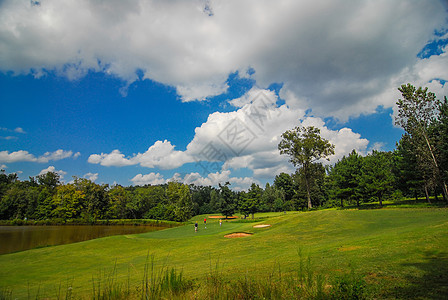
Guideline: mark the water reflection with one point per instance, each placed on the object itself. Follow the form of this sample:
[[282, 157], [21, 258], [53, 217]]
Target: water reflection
[[19, 238]]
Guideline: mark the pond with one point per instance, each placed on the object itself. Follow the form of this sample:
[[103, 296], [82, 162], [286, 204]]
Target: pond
[[19, 238]]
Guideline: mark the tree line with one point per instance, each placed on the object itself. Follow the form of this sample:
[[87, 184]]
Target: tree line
[[418, 167]]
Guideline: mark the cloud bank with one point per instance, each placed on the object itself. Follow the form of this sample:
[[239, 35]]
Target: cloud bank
[[340, 59]]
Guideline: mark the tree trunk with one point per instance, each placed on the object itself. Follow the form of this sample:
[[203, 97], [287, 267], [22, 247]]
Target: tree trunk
[[342, 202], [427, 194], [305, 169], [444, 190]]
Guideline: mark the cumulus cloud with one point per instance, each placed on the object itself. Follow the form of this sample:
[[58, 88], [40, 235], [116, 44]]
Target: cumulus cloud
[[19, 130], [212, 179], [337, 58], [151, 178], [115, 158], [53, 169], [57, 155], [22, 155], [16, 156], [91, 176], [161, 155]]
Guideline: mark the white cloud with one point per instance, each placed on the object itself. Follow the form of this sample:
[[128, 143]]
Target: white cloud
[[22, 155], [19, 130], [91, 176], [212, 179], [115, 158], [151, 178], [16, 156], [56, 155], [53, 169], [161, 155], [338, 58]]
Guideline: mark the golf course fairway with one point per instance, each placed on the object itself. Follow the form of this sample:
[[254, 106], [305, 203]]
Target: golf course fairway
[[399, 253]]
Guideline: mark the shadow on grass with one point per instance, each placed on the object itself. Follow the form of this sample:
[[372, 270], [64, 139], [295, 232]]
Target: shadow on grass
[[433, 284], [408, 203]]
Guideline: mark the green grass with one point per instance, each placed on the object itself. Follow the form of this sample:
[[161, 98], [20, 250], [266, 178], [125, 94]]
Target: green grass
[[399, 253]]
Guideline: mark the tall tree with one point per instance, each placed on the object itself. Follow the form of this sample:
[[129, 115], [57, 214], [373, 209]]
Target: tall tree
[[304, 146], [250, 202], [377, 177], [226, 204], [346, 175], [284, 183], [441, 134], [179, 196], [408, 176], [417, 111], [67, 202]]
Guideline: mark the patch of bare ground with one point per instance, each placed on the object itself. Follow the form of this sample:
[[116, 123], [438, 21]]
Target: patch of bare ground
[[238, 235]]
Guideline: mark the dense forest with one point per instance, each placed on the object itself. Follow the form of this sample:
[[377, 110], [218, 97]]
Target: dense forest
[[418, 167]]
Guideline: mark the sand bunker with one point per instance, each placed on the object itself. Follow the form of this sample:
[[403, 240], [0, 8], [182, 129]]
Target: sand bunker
[[237, 235], [262, 226]]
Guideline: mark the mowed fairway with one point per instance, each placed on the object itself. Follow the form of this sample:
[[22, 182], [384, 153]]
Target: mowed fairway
[[399, 252]]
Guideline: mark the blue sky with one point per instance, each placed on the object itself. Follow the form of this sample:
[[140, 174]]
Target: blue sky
[[141, 92]]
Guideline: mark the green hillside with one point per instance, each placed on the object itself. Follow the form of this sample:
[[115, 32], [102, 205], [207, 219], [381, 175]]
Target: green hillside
[[398, 253]]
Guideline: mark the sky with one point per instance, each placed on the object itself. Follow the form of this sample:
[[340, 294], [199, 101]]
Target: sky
[[147, 92]]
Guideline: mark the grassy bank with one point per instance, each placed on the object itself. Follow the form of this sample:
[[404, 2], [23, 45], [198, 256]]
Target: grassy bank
[[397, 253]]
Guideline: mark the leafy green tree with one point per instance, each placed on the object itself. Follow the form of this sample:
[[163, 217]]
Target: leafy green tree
[[273, 199], [250, 202], [96, 202], [440, 133], [118, 207], [284, 183], [408, 176], [201, 197], [214, 200], [50, 180], [226, 204], [377, 177], [67, 202], [179, 196], [347, 175], [6, 180], [316, 182], [417, 111], [304, 146], [146, 198]]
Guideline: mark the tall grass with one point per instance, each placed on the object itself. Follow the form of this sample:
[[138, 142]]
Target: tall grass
[[305, 283], [163, 282]]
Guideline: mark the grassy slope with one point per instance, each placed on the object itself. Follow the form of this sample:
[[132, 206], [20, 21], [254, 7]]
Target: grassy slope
[[400, 251]]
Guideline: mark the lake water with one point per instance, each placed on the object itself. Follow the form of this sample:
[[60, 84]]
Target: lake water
[[19, 238]]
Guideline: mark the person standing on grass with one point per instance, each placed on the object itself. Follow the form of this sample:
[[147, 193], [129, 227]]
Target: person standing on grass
[[196, 227], [205, 223], [220, 222]]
